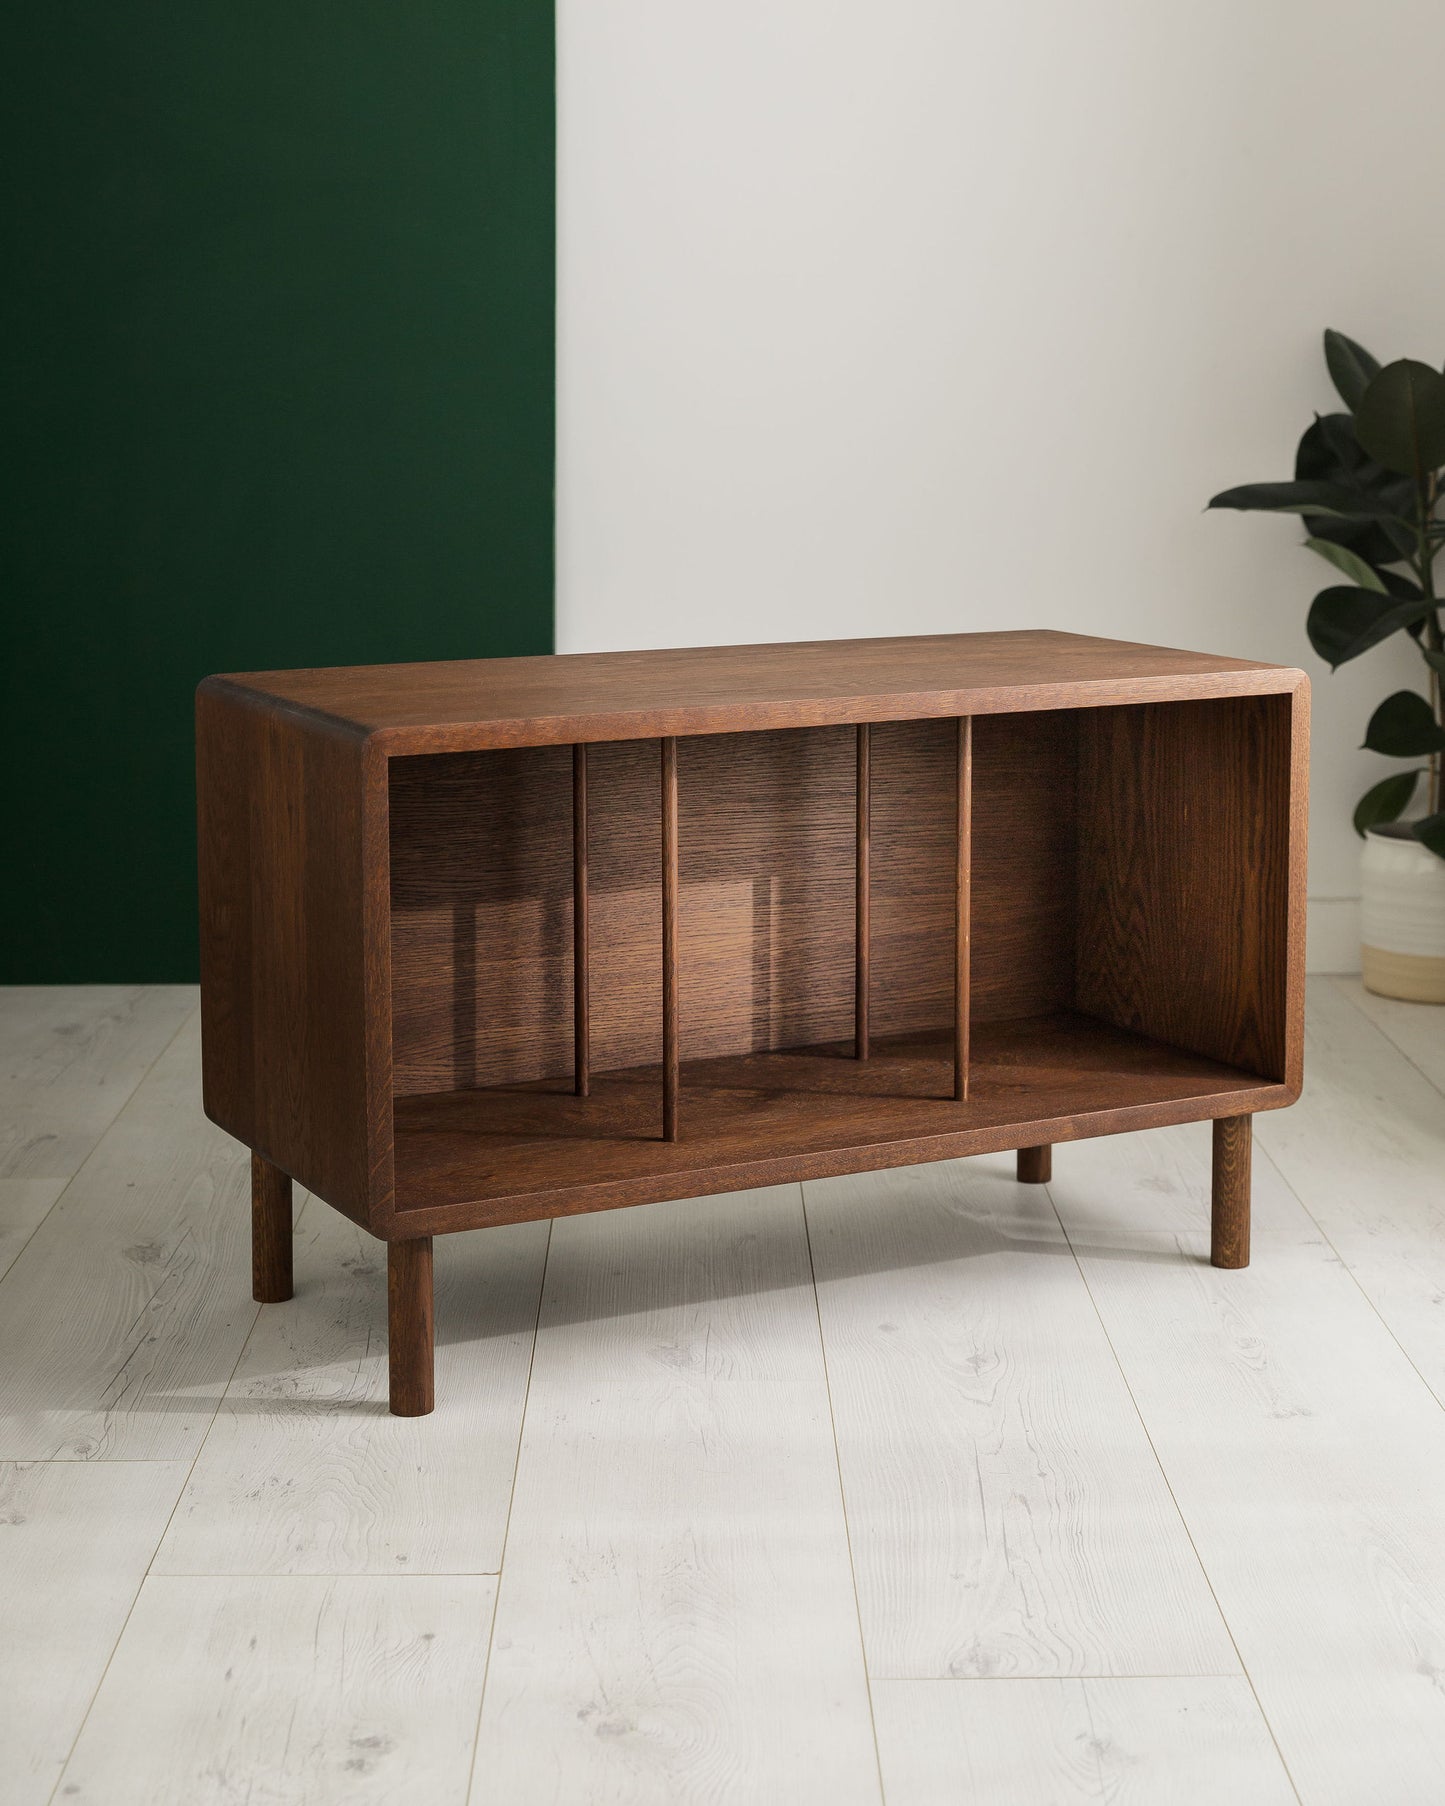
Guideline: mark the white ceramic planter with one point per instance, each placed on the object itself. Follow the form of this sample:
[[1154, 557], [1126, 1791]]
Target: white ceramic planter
[[1402, 917]]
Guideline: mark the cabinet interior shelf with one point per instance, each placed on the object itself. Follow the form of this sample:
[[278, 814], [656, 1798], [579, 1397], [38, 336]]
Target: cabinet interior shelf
[[536, 1149]]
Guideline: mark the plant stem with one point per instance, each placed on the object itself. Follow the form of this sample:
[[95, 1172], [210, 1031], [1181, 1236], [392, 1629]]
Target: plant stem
[[1432, 636]]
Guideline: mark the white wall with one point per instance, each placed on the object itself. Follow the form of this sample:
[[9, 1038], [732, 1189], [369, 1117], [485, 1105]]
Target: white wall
[[925, 315]]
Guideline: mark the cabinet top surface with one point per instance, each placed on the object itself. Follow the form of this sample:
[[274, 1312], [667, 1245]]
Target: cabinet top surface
[[470, 704]]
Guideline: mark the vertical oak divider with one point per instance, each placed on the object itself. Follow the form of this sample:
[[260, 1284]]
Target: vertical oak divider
[[962, 906], [863, 925], [669, 939], [581, 1006]]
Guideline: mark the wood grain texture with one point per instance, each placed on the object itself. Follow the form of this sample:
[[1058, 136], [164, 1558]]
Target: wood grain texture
[[676, 1624], [295, 1691], [75, 1540], [305, 1472], [1138, 1742], [1189, 822], [1006, 1513], [271, 1229], [1023, 820], [1306, 1455], [387, 902], [410, 1329], [768, 927], [295, 991], [478, 703], [70, 1056], [122, 1319], [1229, 1191], [693, 1290], [1297, 888], [1035, 1165], [468, 1158]]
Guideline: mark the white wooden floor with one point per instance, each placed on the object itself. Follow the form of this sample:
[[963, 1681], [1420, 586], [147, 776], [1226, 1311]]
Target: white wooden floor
[[921, 1487]]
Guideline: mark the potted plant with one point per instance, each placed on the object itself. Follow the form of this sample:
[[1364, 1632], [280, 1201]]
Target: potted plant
[[1368, 486]]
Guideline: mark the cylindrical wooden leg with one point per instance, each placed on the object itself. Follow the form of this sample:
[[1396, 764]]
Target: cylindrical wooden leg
[[410, 1337], [1036, 1165], [270, 1232], [1229, 1203]]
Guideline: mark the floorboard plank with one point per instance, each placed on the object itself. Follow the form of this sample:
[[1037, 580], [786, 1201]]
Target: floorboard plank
[[70, 1056], [1417, 1029], [75, 1540], [305, 1471], [1153, 1741], [1007, 1514], [1308, 1460], [121, 1320], [295, 1691], [676, 1620], [1365, 1149]]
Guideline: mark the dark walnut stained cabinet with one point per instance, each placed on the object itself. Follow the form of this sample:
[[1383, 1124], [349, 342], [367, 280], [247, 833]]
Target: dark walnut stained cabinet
[[524, 937]]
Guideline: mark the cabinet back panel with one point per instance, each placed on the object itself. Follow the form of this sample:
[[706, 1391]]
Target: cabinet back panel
[[481, 888]]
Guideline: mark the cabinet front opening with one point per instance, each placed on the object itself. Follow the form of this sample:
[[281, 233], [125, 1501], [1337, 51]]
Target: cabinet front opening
[[1127, 893]]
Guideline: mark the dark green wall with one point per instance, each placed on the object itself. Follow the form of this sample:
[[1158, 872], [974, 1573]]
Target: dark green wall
[[278, 348]]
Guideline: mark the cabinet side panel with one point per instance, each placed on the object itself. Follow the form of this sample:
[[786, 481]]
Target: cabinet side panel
[[1299, 814], [1184, 920], [225, 735], [295, 1030]]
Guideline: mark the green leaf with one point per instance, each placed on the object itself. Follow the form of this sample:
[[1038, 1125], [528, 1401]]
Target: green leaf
[[1345, 622], [1303, 498], [1401, 536], [1330, 449], [1430, 831], [1400, 418], [1385, 801], [1435, 660], [1404, 727], [1353, 566], [1341, 446], [1350, 366]]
